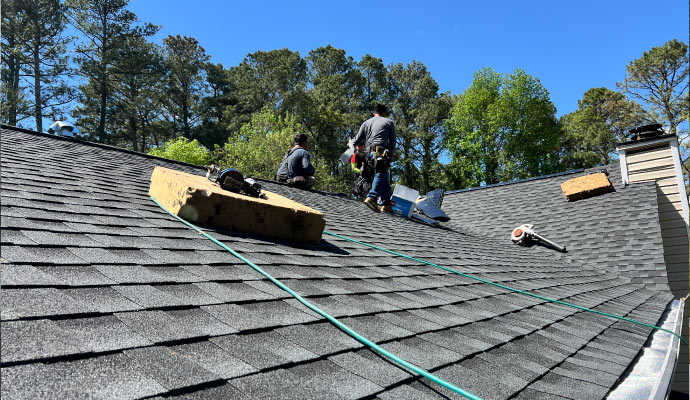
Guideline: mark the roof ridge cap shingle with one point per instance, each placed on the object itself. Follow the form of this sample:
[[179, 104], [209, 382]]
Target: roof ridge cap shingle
[[94, 144], [536, 178]]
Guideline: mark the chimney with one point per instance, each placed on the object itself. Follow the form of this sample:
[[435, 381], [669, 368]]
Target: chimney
[[62, 128], [653, 155]]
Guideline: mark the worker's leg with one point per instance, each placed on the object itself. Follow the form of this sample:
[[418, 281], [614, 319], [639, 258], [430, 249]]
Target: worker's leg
[[381, 188], [310, 181], [385, 191]]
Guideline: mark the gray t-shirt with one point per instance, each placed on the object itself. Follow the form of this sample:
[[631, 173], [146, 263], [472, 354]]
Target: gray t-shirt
[[298, 163], [377, 131]]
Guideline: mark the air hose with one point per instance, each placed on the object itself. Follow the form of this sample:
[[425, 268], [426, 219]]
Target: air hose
[[507, 287], [329, 317]]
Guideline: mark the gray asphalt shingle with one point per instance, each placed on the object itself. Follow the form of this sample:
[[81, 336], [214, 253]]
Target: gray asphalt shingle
[[124, 301]]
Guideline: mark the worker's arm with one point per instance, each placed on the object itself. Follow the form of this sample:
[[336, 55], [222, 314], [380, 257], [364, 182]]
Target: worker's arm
[[392, 138], [360, 137], [306, 164], [353, 164]]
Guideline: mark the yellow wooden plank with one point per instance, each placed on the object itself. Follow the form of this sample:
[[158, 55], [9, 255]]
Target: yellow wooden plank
[[586, 186], [199, 201]]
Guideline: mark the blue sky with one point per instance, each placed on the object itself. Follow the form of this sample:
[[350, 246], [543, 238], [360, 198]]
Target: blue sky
[[570, 46]]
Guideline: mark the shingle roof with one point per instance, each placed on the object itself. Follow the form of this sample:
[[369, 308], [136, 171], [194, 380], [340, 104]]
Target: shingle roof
[[617, 231], [105, 295]]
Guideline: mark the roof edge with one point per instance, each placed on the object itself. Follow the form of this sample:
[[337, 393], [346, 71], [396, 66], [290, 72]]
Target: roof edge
[[536, 178], [94, 144], [663, 388], [660, 380]]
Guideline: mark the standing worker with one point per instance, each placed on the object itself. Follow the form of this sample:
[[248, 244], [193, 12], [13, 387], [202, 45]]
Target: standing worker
[[296, 169], [378, 134]]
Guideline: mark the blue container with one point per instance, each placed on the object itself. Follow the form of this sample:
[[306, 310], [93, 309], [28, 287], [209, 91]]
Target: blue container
[[402, 207]]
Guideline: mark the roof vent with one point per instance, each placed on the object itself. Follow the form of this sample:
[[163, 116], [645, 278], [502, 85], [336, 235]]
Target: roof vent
[[63, 128], [646, 132]]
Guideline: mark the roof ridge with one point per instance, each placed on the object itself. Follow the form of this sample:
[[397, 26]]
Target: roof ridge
[[110, 147], [569, 172], [95, 144]]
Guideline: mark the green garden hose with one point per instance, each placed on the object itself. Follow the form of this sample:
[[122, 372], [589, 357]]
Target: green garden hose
[[330, 318], [507, 287]]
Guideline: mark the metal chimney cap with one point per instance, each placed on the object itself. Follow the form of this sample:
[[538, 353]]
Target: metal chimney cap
[[646, 131], [62, 128]]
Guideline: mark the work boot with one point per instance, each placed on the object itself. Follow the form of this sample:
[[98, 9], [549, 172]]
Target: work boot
[[387, 209], [371, 203]]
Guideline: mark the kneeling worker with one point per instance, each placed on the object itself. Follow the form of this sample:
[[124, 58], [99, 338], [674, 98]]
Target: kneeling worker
[[296, 169], [378, 133]]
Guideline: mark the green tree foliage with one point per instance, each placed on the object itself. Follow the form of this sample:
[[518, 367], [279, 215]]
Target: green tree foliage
[[528, 128], [374, 74], [259, 147], [15, 106], [105, 26], [502, 128], [602, 119], [183, 149], [418, 110], [185, 60], [137, 93], [218, 116], [329, 108], [44, 46], [473, 135], [432, 137], [659, 80], [273, 78]]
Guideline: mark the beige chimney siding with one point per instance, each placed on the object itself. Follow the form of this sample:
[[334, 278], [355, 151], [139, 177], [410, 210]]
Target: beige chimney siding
[[658, 161]]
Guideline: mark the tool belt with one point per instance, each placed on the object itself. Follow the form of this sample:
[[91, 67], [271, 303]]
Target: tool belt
[[281, 178], [378, 158], [296, 181]]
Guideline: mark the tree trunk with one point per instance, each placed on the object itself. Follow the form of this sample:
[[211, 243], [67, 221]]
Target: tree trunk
[[133, 114], [133, 130], [101, 121], [14, 92], [37, 86], [143, 136], [103, 80], [185, 118], [12, 95]]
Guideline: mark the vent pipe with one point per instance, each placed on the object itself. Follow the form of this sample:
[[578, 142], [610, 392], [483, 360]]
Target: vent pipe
[[62, 128]]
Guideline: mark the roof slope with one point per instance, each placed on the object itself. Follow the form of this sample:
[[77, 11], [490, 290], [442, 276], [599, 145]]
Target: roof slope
[[617, 231], [105, 295]]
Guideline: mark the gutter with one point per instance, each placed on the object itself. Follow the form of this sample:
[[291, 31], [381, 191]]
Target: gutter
[[663, 389], [651, 373]]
